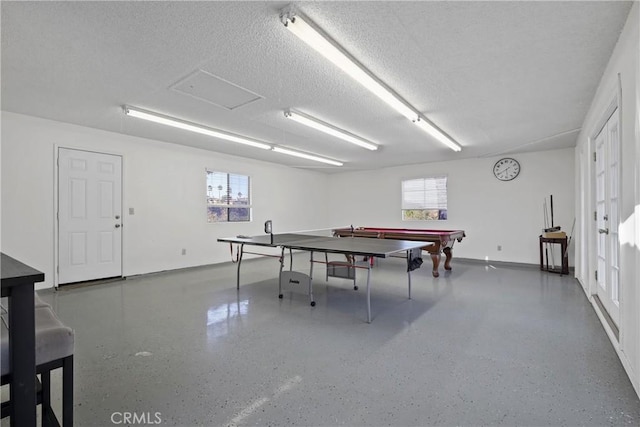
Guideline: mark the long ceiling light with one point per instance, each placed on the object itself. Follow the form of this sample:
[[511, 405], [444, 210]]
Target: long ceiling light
[[329, 129], [192, 127], [437, 133], [311, 34], [306, 156], [180, 124]]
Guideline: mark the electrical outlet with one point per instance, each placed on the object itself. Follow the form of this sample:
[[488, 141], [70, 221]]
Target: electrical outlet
[[499, 247], [131, 211], [184, 251]]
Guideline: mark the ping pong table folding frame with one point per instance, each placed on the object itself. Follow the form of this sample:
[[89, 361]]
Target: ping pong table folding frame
[[351, 247]]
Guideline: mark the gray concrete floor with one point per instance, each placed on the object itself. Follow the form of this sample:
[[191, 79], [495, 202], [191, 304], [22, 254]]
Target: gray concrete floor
[[482, 345]]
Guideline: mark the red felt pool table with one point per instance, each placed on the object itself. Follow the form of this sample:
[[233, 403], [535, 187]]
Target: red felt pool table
[[442, 240]]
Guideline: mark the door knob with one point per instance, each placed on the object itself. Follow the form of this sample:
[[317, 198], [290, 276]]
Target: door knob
[[117, 225], [603, 230]]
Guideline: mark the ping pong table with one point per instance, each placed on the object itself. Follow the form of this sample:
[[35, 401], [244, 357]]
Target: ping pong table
[[351, 247]]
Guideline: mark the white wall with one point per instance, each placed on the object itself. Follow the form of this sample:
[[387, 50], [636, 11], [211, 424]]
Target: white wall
[[624, 62], [491, 212], [164, 183]]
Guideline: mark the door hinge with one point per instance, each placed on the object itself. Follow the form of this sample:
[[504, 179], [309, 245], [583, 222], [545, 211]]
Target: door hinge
[[595, 215], [594, 156], [596, 275]]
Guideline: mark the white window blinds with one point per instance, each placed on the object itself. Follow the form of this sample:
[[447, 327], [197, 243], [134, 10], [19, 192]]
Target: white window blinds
[[425, 193]]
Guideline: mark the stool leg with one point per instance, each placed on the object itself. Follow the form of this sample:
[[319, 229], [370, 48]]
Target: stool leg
[[47, 412], [67, 391]]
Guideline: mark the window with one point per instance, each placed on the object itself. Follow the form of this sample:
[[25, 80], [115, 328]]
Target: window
[[424, 199], [228, 197]]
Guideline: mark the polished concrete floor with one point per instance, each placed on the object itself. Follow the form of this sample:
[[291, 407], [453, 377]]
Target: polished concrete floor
[[482, 345]]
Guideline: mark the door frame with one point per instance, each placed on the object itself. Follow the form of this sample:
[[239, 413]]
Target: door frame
[[56, 196], [613, 107]]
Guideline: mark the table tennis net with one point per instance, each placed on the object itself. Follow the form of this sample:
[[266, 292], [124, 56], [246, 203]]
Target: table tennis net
[[310, 233]]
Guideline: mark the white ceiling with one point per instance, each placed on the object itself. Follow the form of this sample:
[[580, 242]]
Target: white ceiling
[[499, 77]]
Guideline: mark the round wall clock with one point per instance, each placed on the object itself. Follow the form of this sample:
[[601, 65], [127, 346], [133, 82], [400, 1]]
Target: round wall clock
[[506, 169]]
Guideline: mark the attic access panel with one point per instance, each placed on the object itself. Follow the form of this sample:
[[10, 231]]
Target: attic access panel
[[215, 90]]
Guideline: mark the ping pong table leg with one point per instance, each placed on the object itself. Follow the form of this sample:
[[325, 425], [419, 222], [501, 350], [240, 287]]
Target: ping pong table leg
[[368, 295], [409, 271], [313, 303], [239, 262], [280, 274], [326, 262], [290, 259]]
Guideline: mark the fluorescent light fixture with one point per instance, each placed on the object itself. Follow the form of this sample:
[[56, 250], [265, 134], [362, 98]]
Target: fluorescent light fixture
[[429, 128], [306, 156], [192, 127], [314, 37], [311, 34], [329, 129]]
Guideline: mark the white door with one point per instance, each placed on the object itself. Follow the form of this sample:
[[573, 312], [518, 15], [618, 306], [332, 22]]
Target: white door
[[607, 172], [89, 216]]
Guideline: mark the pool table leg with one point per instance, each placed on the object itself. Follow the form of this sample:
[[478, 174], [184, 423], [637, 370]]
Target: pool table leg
[[435, 257], [447, 261]]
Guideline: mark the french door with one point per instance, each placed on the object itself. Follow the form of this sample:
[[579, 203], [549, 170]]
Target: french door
[[607, 198], [89, 216]]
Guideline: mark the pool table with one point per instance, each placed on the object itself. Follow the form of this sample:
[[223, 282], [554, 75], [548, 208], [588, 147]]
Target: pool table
[[441, 240]]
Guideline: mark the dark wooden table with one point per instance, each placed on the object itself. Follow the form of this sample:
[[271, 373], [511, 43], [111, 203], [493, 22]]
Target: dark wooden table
[[18, 281], [544, 265]]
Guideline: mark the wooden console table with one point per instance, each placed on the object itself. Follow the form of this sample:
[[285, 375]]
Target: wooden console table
[[544, 263]]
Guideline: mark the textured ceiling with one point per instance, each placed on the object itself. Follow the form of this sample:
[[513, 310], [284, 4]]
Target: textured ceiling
[[499, 77]]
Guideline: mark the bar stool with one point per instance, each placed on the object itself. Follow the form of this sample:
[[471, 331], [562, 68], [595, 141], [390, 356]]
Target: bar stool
[[54, 349], [39, 302]]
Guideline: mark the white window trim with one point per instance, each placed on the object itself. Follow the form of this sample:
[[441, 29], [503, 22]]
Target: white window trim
[[228, 206]]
